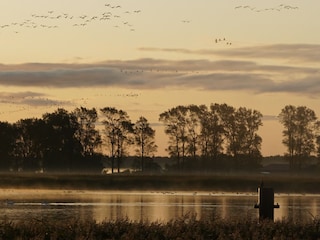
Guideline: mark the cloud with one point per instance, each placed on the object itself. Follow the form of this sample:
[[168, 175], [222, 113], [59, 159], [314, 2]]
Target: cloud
[[212, 76], [60, 77], [30, 99], [20, 95], [248, 75], [293, 52], [310, 85], [226, 81]]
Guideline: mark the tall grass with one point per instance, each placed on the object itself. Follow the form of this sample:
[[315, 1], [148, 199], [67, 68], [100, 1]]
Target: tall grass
[[187, 227]]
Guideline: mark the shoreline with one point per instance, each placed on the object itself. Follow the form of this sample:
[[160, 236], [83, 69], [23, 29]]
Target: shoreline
[[17, 193], [241, 183]]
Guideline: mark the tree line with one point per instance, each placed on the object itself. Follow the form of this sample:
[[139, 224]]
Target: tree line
[[200, 137], [69, 141]]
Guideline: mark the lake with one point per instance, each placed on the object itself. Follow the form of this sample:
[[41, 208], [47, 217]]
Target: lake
[[146, 205]]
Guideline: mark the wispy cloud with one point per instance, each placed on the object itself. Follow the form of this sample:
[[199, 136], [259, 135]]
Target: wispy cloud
[[30, 98], [297, 52]]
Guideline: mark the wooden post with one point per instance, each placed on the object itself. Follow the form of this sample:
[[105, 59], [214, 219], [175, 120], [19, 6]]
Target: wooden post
[[266, 203]]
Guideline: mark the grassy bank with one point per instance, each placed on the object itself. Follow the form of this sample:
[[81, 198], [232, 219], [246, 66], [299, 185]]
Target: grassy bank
[[191, 182], [185, 228]]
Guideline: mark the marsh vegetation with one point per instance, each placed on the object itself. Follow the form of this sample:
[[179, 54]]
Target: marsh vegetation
[[187, 227]]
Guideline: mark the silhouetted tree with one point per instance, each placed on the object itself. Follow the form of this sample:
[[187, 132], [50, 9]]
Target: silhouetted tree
[[232, 131], [144, 140], [249, 141], [88, 135], [212, 132], [63, 145], [240, 128], [192, 118], [7, 144], [318, 141], [176, 128], [118, 130], [299, 124], [31, 140]]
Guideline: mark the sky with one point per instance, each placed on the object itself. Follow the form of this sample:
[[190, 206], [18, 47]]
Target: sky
[[145, 57]]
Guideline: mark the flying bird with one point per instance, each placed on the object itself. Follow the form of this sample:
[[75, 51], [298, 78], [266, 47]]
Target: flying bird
[[70, 19]]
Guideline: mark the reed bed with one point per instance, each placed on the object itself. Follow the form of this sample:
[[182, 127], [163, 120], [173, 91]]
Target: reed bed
[[187, 227]]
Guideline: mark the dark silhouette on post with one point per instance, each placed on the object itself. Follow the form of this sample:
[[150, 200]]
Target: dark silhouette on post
[[266, 203]]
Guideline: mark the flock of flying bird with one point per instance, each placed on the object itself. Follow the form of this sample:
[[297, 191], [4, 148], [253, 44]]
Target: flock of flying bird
[[52, 19], [116, 15], [277, 8], [222, 40]]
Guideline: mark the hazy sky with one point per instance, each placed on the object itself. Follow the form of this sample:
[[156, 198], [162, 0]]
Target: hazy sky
[[145, 57]]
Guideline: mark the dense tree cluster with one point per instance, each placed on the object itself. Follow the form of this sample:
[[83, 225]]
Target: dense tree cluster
[[301, 136], [58, 141], [218, 137], [70, 141]]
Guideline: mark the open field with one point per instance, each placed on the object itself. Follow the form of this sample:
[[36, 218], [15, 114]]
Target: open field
[[184, 228], [190, 182]]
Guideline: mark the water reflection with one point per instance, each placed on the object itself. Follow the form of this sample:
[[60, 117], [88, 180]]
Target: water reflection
[[297, 207], [146, 206]]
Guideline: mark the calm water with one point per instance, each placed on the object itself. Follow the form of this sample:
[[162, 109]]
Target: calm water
[[152, 206]]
